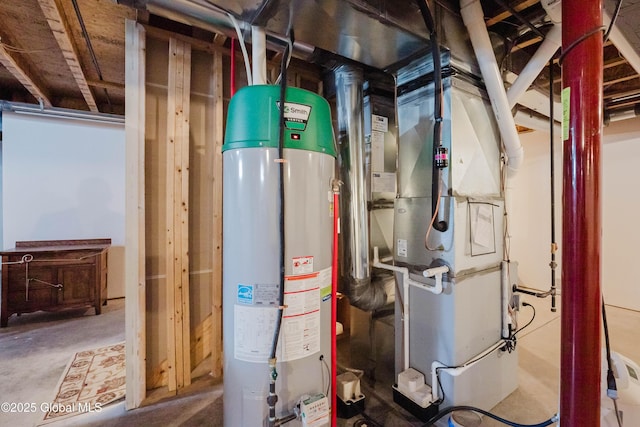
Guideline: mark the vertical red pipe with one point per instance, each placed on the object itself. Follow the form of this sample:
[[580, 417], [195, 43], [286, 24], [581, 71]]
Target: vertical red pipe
[[581, 219], [233, 67], [334, 310]]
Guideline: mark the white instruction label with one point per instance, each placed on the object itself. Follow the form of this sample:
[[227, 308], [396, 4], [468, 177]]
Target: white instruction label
[[253, 332], [402, 248], [383, 182], [300, 331], [314, 411], [379, 123], [377, 151]]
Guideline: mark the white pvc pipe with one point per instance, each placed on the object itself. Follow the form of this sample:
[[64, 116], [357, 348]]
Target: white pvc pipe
[[504, 282], [622, 44], [259, 55], [536, 123], [473, 18], [243, 47], [456, 371], [551, 43], [436, 272]]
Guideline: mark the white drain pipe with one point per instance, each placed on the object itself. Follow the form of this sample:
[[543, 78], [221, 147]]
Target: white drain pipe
[[473, 18], [435, 272], [551, 43], [622, 44]]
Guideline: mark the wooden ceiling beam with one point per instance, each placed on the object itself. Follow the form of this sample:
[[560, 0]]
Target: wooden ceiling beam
[[615, 62], [526, 43], [506, 14], [219, 39], [56, 18], [20, 70], [105, 85], [620, 95], [620, 79]]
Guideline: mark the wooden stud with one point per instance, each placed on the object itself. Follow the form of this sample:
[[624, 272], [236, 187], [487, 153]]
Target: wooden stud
[[218, 120], [178, 341], [135, 275], [57, 20], [201, 341]]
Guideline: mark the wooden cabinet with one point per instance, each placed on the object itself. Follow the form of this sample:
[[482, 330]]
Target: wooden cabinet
[[54, 275]]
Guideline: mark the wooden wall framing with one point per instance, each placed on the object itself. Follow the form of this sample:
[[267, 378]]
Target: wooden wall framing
[[135, 219], [177, 94], [177, 225]]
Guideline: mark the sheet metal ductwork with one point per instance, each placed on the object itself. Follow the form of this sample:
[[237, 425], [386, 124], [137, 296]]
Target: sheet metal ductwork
[[354, 222]]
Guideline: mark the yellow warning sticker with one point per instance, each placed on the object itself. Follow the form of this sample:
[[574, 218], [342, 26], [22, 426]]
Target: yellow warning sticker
[[566, 111]]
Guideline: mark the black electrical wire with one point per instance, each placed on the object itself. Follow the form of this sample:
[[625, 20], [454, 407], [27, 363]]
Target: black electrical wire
[[451, 409], [472, 361], [281, 225], [613, 20], [579, 40], [612, 389], [526, 304], [437, 109], [87, 40], [552, 180]]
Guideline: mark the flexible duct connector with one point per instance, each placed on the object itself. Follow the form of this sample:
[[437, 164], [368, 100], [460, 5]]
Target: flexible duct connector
[[354, 221], [473, 18]]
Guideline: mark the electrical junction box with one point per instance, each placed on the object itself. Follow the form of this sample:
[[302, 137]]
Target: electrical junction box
[[314, 411]]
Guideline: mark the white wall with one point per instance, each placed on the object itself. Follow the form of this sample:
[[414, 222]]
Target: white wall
[[529, 202], [64, 179]]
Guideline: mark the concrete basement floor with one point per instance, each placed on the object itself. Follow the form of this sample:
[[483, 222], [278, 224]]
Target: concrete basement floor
[[35, 349]]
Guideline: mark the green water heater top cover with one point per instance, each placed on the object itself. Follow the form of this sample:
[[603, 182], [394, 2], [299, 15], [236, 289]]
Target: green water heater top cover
[[254, 112]]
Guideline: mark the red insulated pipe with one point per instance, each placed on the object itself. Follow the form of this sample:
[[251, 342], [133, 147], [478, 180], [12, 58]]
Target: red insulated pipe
[[334, 310], [581, 220]]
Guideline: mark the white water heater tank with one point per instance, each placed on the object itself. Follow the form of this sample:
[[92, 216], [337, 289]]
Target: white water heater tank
[[251, 252]]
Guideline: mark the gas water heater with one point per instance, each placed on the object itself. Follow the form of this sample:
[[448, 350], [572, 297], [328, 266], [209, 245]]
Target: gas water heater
[[252, 262]]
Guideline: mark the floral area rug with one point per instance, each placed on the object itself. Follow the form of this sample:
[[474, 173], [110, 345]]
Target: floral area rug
[[92, 379]]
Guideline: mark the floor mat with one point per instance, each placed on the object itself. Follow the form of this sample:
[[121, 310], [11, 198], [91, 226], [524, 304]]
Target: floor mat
[[91, 380]]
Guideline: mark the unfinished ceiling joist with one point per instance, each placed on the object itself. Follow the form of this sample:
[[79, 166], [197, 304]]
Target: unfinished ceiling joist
[[19, 69], [59, 26], [504, 15]]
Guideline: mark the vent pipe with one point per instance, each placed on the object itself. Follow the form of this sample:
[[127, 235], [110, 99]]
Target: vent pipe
[[258, 55], [551, 43], [354, 221], [473, 18]]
